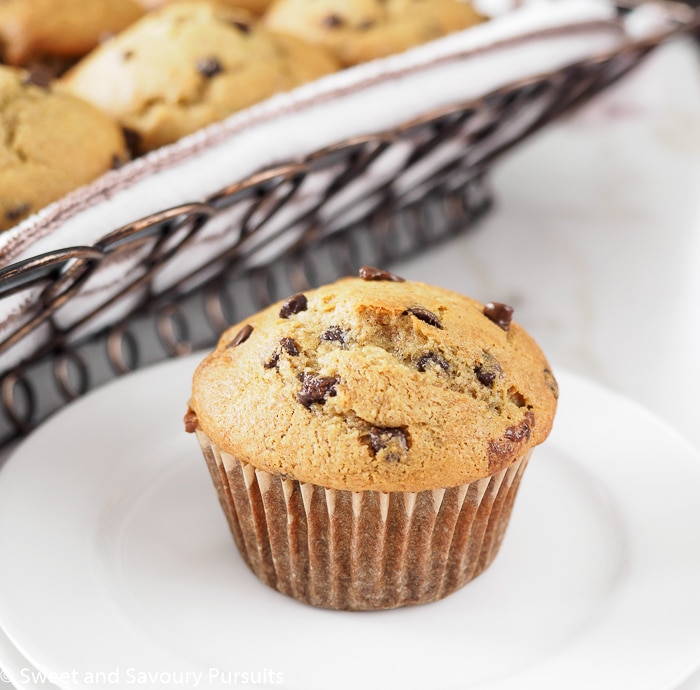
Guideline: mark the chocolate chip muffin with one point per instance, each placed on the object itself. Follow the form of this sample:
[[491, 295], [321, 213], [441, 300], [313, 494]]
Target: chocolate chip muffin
[[367, 438], [190, 64], [36, 28], [50, 143], [361, 30]]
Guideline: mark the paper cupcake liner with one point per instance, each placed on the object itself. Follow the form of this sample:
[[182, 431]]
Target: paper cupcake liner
[[362, 550]]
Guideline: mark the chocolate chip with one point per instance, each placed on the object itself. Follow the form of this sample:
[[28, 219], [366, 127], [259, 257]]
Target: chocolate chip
[[293, 305], [423, 315], [127, 55], [432, 358], [502, 450], [501, 314], [391, 442], [289, 345], [488, 370], [551, 383], [366, 25], [315, 389], [484, 376], [132, 139], [17, 212], [241, 336], [334, 334], [522, 431], [243, 27], [191, 422], [332, 21], [209, 67], [38, 75], [372, 273], [272, 362]]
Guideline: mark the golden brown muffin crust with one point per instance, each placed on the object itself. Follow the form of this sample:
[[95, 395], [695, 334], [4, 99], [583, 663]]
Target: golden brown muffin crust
[[50, 144], [361, 30], [189, 64], [257, 6], [376, 384], [34, 28]]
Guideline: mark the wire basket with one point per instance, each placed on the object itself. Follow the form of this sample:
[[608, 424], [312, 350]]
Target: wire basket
[[265, 258]]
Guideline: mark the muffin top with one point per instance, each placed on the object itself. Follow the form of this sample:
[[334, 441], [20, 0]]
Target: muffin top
[[361, 30], [50, 143], [257, 6], [36, 28], [375, 383], [189, 64]]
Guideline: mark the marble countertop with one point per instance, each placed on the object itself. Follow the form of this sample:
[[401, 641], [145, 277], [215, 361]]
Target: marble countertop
[[595, 240]]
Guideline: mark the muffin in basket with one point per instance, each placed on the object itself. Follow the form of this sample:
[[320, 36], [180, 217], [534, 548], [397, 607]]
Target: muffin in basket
[[50, 143], [189, 64], [35, 29], [367, 438], [361, 30]]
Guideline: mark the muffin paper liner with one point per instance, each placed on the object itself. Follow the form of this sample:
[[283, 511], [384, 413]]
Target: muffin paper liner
[[362, 550]]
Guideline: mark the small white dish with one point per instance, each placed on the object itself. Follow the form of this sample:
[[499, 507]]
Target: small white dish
[[120, 562]]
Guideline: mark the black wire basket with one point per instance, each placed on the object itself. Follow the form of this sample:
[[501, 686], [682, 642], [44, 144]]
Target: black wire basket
[[401, 220]]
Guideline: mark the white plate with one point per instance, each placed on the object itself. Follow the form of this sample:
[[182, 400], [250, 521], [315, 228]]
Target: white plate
[[16, 673], [119, 562]]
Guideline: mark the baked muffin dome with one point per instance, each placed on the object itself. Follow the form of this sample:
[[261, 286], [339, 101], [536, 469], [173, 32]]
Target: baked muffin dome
[[50, 144], [361, 30], [70, 28], [189, 64], [376, 384]]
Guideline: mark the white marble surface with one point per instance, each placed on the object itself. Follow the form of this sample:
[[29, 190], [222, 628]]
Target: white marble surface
[[596, 242]]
